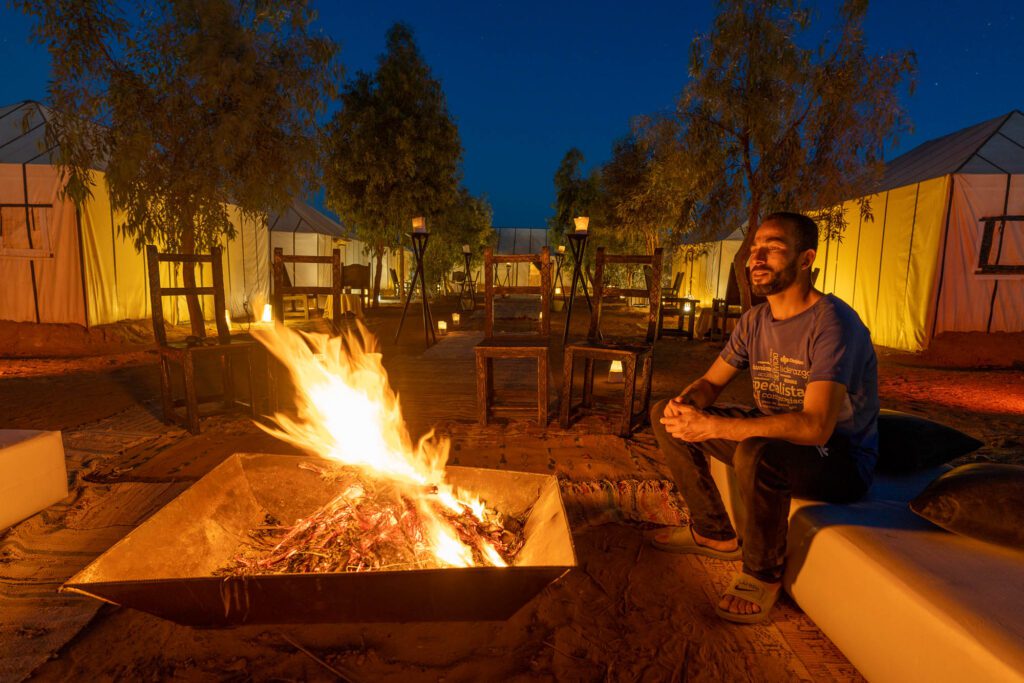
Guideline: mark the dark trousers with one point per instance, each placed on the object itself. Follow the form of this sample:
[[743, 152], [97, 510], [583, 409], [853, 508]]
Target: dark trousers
[[768, 473]]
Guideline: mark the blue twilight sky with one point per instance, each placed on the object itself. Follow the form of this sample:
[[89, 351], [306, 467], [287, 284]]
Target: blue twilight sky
[[526, 80]]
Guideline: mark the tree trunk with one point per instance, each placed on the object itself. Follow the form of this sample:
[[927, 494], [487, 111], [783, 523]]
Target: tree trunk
[[188, 279], [739, 263], [401, 268], [379, 254], [824, 271]]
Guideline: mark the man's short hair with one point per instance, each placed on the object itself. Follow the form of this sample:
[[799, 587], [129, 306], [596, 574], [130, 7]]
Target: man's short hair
[[805, 230]]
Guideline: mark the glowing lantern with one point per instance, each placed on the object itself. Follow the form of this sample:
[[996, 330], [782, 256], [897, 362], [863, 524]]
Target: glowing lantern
[[615, 373]]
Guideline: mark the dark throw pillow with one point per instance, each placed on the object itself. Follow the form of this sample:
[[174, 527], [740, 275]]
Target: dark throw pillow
[[982, 500], [907, 443]]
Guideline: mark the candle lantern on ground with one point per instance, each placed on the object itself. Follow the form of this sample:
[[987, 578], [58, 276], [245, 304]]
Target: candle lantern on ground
[[615, 373]]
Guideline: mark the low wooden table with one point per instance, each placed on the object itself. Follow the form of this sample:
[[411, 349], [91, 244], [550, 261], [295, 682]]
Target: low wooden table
[[684, 309], [350, 303]]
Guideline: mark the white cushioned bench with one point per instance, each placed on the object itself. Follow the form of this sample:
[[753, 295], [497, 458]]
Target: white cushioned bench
[[903, 599], [33, 475]]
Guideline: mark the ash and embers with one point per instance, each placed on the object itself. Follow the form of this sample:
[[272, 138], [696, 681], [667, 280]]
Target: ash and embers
[[370, 526]]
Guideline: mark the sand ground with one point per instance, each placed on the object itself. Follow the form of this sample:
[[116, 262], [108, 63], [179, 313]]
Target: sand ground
[[627, 613]]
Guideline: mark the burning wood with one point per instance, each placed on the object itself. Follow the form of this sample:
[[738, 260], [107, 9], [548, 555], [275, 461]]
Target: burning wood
[[370, 526], [395, 509]]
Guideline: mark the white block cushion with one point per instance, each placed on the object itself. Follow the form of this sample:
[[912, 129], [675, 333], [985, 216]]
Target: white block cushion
[[32, 473]]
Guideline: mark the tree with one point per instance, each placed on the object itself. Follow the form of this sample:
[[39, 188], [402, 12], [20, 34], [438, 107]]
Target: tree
[[466, 221], [575, 195], [393, 151], [773, 125], [647, 185], [191, 105]]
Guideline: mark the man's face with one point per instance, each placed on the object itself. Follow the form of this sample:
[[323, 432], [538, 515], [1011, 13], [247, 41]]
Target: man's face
[[774, 262]]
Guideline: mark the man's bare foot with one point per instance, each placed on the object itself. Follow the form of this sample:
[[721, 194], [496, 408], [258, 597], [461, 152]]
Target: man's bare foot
[[724, 546], [737, 605]]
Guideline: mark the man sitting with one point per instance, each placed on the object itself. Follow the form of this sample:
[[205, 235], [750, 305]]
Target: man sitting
[[813, 433]]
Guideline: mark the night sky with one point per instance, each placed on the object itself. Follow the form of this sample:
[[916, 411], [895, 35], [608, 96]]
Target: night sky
[[527, 80]]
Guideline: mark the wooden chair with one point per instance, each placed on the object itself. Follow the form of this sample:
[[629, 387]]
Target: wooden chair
[[357, 277], [285, 290], [724, 310], [631, 354], [675, 305], [496, 346], [396, 285], [185, 354]]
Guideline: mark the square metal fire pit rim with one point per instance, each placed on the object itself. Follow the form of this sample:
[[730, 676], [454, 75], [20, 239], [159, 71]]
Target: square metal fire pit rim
[[202, 523]]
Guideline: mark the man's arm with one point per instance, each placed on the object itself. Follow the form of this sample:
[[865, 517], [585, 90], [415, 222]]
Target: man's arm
[[811, 426], [704, 391]]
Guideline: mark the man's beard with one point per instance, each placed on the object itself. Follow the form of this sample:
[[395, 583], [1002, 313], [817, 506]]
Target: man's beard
[[779, 281]]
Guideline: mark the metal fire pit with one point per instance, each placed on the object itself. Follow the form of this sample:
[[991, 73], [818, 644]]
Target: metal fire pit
[[165, 566]]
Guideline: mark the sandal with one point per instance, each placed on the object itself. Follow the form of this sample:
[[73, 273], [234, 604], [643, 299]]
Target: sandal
[[746, 587], [679, 539]]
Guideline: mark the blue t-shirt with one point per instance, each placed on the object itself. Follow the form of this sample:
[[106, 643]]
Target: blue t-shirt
[[827, 342]]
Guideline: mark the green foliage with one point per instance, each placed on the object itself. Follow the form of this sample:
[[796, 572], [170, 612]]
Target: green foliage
[[575, 195], [393, 150], [646, 186], [188, 105], [773, 125], [466, 221]]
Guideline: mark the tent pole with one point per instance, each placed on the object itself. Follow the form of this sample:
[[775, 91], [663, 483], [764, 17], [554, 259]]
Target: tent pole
[[910, 252], [881, 256], [28, 231], [942, 263], [81, 265], [856, 260], [113, 257], [999, 250]]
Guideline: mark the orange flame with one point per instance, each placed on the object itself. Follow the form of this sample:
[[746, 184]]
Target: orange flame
[[347, 412]]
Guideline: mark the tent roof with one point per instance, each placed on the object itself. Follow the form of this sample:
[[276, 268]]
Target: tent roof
[[724, 235], [23, 141], [23, 134], [516, 240], [301, 217], [993, 146]]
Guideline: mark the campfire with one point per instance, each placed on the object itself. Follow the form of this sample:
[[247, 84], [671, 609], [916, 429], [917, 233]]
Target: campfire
[[395, 509], [373, 528]]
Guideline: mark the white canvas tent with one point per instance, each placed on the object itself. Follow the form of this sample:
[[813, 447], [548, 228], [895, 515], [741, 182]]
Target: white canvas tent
[[304, 231], [59, 265], [517, 240], [923, 265], [706, 273]]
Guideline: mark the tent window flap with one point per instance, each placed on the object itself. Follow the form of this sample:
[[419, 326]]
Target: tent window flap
[[991, 252], [25, 231]]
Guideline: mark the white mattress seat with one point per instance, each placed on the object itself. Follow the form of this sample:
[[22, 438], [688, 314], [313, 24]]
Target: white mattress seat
[[903, 599], [33, 475]]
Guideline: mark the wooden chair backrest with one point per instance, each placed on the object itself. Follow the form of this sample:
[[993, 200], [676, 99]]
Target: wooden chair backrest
[[677, 285], [356, 276], [157, 291], [652, 291], [283, 285], [732, 289], [543, 263], [395, 284]]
